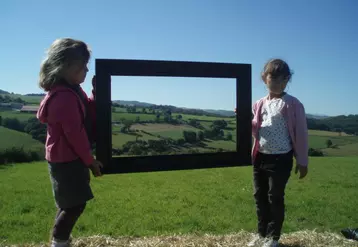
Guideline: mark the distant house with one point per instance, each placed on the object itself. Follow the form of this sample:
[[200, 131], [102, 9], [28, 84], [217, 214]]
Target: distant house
[[29, 109]]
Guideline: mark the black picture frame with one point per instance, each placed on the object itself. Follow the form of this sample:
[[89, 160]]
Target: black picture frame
[[105, 68]]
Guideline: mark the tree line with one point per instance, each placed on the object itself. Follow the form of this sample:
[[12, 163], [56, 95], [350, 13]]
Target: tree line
[[155, 109], [347, 124], [7, 99]]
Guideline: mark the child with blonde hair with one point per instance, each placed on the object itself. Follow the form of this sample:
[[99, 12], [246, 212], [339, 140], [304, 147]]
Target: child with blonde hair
[[70, 118], [279, 128]]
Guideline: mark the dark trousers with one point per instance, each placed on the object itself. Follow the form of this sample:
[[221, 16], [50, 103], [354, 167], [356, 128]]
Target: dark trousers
[[271, 174], [65, 221]]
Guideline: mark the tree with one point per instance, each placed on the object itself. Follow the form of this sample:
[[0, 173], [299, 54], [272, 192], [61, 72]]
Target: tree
[[189, 136], [200, 135], [13, 123], [229, 136], [127, 125], [329, 143], [144, 110], [193, 122], [179, 117], [315, 152], [137, 119], [219, 124]]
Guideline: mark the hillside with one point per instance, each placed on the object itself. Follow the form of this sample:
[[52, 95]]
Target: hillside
[[11, 138], [3, 92], [345, 124]]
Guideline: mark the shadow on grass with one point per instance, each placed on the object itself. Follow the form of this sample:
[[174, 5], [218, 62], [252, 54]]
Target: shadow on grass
[[5, 166]]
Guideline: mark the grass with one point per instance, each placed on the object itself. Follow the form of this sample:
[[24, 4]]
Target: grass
[[213, 201], [205, 118], [117, 116], [119, 139], [165, 130], [21, 116], [11, 138], [325, 133], [346, 150], [226, 145]]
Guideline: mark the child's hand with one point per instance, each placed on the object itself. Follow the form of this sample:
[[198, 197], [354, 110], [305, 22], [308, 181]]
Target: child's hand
[[303, 171], [235, 111], [96, 168]]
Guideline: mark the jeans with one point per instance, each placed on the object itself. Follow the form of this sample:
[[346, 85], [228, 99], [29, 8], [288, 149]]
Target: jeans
[[271, 173]]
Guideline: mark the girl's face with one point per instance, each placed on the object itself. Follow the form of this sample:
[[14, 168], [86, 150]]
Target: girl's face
[[77, 74], [275, 85]]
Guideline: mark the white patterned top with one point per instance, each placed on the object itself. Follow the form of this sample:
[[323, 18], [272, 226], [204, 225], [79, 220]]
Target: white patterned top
[[274, 136]]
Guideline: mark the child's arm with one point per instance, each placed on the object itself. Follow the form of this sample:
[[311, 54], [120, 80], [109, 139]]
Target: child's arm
[[301, 136], [66, 112], [254, 123]]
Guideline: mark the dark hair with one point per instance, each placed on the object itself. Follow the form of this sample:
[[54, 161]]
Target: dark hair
[[277, 68]]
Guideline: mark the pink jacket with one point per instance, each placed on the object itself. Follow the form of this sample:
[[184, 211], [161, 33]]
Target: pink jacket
[[295, 115], [64, 112]]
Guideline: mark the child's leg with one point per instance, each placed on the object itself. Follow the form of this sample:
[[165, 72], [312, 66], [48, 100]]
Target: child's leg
[[261, 188], [277, 183], [65, 222]]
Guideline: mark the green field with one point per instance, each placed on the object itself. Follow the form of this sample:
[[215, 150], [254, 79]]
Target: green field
[[205, 118], [119, 139], [21, 116], [325, 133], [35, 100], [165, 130], [345, 144], [117, 116], [346, 150], [11, 138], [214, 201]]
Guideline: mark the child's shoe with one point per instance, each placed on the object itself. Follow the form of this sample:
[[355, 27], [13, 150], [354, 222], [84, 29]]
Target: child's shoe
[[256, 239], [350, 233], [60, 243], [271, 243]]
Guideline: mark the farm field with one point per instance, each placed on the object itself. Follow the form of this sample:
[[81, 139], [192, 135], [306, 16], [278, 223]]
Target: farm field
[[209, 201], [21, 116], [11, 138]]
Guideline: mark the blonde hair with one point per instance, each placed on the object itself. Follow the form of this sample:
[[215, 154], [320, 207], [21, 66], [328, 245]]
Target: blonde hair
[[62, 55]]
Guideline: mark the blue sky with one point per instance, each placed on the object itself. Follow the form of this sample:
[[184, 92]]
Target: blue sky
[[318, 39]]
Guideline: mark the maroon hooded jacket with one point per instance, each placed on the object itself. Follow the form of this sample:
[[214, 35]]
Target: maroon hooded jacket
[[64, 113]]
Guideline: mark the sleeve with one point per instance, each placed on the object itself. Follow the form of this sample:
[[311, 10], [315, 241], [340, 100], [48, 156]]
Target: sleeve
[[68, 115], [301, 133]]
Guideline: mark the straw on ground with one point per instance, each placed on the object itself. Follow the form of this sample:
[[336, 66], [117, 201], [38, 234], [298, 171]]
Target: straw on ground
[[296, 239]]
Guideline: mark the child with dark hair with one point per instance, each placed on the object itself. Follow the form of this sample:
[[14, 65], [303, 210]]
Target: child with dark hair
[[279, 128]]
